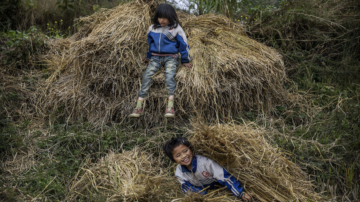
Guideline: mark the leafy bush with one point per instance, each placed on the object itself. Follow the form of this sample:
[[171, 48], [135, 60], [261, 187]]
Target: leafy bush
[[21, 48]]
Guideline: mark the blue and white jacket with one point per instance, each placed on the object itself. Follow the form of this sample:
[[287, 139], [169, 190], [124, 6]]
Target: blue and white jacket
[[206, 173], [164, 40]]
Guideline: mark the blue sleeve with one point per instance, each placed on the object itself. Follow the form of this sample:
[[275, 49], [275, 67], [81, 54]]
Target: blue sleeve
[[187, 186], [225, 179], [232, 184], [150, 40], [183, 46]]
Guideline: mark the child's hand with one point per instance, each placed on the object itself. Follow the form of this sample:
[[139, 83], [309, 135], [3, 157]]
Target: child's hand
[[145, 60], [189, 65], [246, 197]]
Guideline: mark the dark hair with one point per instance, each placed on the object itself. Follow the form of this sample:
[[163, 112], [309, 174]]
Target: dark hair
[[174, 142], [168, 12]]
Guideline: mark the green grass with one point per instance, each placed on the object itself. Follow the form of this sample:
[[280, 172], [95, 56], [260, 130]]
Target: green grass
[[329, 143], [61, 150], [327, 146], [325, 140]]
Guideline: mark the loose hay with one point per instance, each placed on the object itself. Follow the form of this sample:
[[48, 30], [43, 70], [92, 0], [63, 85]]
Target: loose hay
[[57, 55], [129, 176], [217, 195], [264, 171], [18, 163], [16, 95], [99, 76]]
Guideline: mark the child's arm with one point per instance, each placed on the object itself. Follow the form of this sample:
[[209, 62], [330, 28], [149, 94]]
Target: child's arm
[[150, 40], [183, 45], [225, 179], [187, 187]]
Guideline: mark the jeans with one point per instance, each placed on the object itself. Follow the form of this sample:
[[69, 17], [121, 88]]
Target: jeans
[[156, 62]]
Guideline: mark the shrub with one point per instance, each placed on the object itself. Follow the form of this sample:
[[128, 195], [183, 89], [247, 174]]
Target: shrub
[[21, 48]]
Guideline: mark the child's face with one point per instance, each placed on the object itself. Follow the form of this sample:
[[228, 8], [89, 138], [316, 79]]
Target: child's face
[[163, 21], [182, 155]]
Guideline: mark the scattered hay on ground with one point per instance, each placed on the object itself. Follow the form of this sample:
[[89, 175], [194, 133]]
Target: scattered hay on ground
[[13, 169], [19, 163], [217, 195], [99, 76], [129, 176], [264, 171], [16, 94]]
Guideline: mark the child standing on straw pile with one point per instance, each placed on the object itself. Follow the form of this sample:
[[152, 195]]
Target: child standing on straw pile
[[196, 173], [166, 39]]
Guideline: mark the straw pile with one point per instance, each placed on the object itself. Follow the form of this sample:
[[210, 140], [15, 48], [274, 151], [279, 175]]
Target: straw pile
[[99, 76], [265, 172], [57, 53], [129, 176]]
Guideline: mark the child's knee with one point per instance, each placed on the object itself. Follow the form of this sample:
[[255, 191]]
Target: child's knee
[[150, 71], [171, 68]]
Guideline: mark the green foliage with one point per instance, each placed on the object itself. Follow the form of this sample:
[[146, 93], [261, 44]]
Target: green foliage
[[28, 4], [20, 47], [72, 5], [321, 57], [23, 14], [8, 14], [315, 38], [70, 148], [54, 30], [234, 9], [255, 9], [301, 29], [228, 7], [70, 10], [9, 139], [330, 141]]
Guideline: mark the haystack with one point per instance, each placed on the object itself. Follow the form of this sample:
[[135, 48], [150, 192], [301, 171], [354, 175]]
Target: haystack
[[265, 172], [100, 75], [129, 176]]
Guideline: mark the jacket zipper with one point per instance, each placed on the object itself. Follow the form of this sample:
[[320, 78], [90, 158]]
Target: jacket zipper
[[159, 42], [197, 180]]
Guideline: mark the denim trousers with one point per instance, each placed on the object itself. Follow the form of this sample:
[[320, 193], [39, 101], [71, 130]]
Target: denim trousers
[[156, 62]]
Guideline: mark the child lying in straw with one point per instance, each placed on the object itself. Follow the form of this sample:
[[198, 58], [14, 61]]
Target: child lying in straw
[[166, 39], [196, 173]]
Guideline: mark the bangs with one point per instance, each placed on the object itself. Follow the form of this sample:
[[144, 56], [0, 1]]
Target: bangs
[[164, 13], [168, 12]]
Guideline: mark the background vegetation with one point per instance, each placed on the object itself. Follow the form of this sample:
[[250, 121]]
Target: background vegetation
[[319, 40]]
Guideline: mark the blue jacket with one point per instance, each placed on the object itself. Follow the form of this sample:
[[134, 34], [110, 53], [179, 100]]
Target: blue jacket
[[164, 40], [206, 173]]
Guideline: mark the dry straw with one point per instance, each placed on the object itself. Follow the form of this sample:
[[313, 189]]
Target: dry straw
[[129, 176], [265, 172], [16, 95], [98, 76]]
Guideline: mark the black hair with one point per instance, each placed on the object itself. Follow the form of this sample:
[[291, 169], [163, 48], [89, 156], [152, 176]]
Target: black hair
[[168, 12], [174, 142]]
